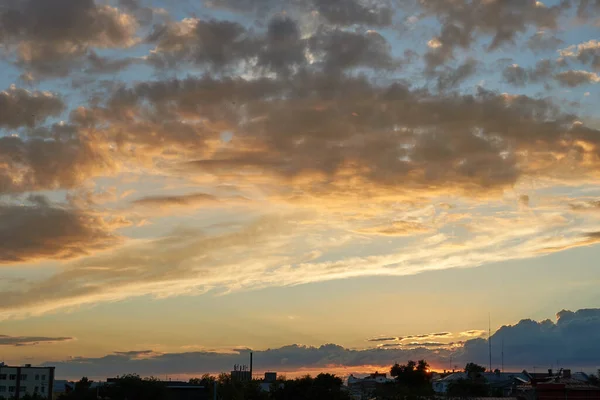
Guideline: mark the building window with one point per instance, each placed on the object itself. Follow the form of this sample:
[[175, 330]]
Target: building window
[[2, 377], [12, 389], [22, 389], [2, 389], [37, 389], [12, 377], [37, 377], [23, 377], [43, 377], [42, 389]]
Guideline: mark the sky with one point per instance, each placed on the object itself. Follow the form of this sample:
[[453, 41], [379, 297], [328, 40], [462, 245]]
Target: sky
[[333, 184]]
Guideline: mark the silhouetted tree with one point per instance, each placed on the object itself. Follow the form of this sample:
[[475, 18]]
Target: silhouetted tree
[[474, 370], [322, 387], [132, 387], [594, 380], [413, 375], [81, 391]]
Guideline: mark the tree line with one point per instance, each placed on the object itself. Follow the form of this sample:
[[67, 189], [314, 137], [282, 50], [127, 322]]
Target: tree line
[[411, 381]]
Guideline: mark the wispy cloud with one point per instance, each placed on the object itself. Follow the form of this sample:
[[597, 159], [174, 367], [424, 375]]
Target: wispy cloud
[[30, 340]]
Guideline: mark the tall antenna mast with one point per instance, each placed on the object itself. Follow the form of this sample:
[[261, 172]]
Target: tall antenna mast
[[502, 352], [490, 339]]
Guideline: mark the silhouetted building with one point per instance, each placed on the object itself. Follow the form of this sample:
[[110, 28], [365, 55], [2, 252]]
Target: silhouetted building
[[270, 377], [241, 376], [368, 384], [187, 391], [16, 382]]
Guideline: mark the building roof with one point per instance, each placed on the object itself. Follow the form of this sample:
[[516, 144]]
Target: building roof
[[495, 377], [568, 383]]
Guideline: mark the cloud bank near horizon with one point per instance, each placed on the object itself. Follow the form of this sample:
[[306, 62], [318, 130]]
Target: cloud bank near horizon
[[571, 341]]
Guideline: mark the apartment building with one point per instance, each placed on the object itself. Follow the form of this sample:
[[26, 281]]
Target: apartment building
[[16, 382]]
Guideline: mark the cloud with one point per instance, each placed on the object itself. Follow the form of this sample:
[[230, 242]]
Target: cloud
[[576, 78], [591, 205], [463, 22], [226, 46], [397, 228], [587, 53], [571, 340], [284, 359], [183, 200], [543, 41], [290, 248], [452, 78], [383, 339], [350, 12], [371, 134], [50, 35], [20, 107], [30, 340], [303, 115], [43, 230], [519, 76], [377, 13], [213, 43], [59, 157]]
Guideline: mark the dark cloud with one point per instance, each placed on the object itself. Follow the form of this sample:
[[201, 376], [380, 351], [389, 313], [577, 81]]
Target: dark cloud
[[223, 46], [543, 41], [287, 358], [59, 157], [20, 107], [376, 13], [464, 21], [183, 200], [317, 122], [572, 340], [39, 229], [50, 35], [340, 50], [350, 12], [96, 64], [216, 44], [519, 76], [30, 340], [284, 48], [450, 78], [383, 339], [587, 8]]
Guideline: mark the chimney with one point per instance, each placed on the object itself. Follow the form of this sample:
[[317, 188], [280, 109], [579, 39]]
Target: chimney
[[566, 373]]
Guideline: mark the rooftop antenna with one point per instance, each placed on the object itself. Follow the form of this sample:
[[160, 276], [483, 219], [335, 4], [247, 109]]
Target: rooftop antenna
[[490, 338]]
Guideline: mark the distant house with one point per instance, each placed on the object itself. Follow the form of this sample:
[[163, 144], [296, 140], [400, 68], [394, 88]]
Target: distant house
[[440, 386], [366, 385]]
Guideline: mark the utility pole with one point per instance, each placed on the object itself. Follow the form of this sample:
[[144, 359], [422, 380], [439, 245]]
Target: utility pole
[[502, 352], [490, 339]]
